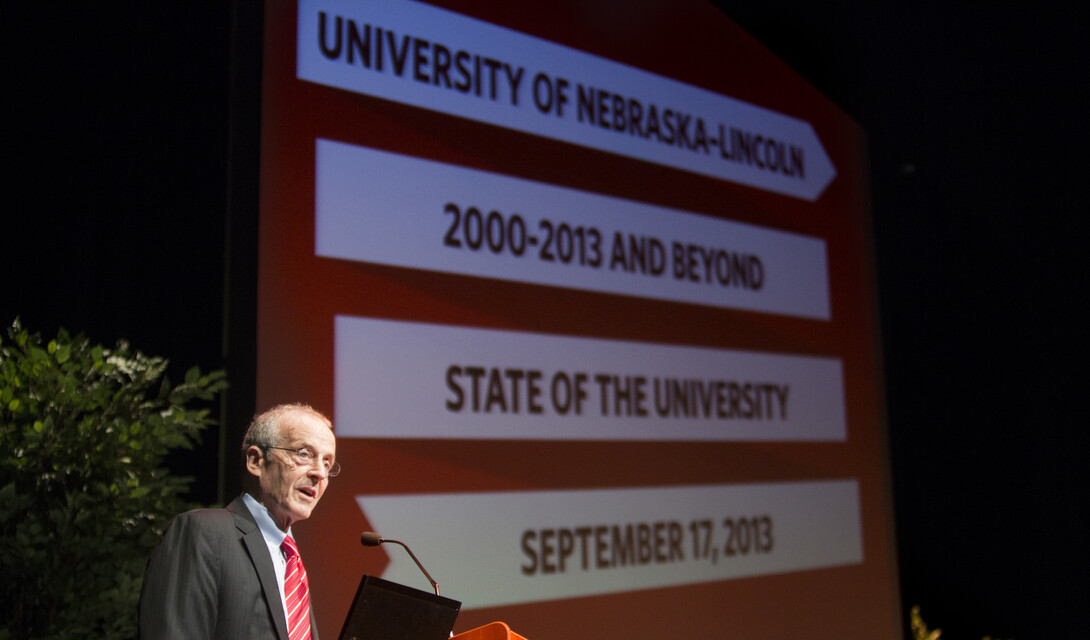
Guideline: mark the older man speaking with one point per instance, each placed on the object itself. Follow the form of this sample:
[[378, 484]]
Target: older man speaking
[[236, 573]]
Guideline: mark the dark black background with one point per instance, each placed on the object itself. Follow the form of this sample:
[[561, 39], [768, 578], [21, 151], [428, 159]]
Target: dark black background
[[116, 186]]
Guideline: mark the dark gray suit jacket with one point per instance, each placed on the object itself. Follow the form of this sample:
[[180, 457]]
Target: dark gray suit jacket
[[211, 577]]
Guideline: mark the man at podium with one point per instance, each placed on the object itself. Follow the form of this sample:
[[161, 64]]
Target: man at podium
[[236, 573]]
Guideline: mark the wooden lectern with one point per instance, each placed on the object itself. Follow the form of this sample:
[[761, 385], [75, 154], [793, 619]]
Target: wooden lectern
[[492, 631]]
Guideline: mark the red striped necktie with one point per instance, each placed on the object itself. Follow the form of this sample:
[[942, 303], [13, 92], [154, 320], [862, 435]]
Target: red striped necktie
[[296, 592]]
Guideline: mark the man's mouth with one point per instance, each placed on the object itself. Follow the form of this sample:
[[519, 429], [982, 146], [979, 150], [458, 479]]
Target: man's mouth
[[310, 492]]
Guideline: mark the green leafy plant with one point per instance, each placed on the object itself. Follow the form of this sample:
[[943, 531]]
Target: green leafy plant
[[920, 630], [84, 495], [919, 627]]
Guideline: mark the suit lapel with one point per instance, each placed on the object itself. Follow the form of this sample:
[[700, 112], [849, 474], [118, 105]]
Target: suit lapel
[[259, 554]]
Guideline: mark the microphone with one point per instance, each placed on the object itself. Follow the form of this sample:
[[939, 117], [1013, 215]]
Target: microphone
[[372, 539]]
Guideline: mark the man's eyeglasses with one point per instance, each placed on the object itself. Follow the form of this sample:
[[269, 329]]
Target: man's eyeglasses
[[305, 458]]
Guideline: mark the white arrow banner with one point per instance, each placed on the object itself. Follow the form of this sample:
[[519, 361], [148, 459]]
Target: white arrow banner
[[387, 208], [396, 379], [490, 549], [423, 56]]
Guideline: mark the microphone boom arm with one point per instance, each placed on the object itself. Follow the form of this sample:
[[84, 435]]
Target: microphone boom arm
[[369, 539]]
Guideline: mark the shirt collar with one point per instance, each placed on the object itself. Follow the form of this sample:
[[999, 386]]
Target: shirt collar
[[265, 523]]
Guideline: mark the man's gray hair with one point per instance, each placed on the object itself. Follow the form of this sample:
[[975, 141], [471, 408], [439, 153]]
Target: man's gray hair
[[265, 429]]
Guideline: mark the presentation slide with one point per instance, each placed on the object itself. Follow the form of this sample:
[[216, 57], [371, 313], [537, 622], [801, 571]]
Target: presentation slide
[[587, 289]]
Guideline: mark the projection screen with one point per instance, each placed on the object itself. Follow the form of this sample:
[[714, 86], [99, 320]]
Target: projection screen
[[587, 289]]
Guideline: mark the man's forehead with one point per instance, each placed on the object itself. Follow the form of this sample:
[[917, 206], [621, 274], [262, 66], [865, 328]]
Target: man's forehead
[[307, 427]]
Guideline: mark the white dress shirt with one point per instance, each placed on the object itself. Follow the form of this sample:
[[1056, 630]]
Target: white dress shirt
[[274, 537]]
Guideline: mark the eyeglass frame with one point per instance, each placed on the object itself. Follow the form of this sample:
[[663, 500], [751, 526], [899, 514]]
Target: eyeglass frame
[[303, 456]]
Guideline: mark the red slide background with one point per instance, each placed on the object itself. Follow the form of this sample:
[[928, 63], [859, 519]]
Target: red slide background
[[300, 294]]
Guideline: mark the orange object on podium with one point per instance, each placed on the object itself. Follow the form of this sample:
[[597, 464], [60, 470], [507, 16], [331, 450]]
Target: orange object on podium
[[491, 631]]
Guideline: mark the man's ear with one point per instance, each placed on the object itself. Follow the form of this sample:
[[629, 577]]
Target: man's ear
[[255, 460]]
